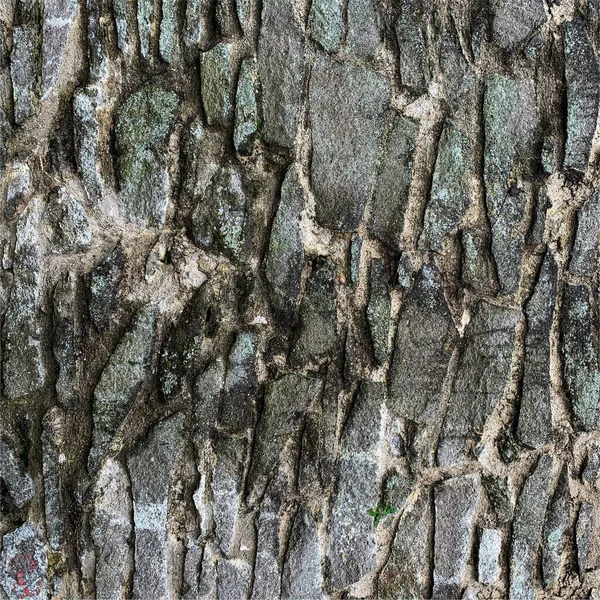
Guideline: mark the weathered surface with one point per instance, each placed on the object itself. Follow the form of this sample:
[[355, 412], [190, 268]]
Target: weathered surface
[[285, 255], [17, 483], [298, 299], [583, 77], [582, 374], [302, 573], [112, 530], [25, 366], [150, 468], [317, 335], [449, 188], [218, 221], [216, 72], [424, 339], [246, 109], [456, 503], [379, 308], [393, 182], [326, 23], [510, 121], [352, 534], [281, 71], [556, 531], [144, 123], [342, 177], [408, 570], [585, 246], [528, 525], [514, 22], [482, 376], [535, 423], [120, 381], [490, 546]]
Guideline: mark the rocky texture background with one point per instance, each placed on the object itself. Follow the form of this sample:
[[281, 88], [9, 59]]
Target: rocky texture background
[[299, 299]]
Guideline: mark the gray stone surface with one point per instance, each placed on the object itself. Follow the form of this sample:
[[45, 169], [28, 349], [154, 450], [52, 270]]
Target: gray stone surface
[[59, 19], [281, 70], [18, 484], [302, 572], [490, 547], [352, 549], [267, 572], [144, 123], [112, 531], [341, 177], [365, 28], [424, 341], [527, 530], [238, 410], [71, 231], [246, 109], [582, 78], [18, 188], [535, 416], [169, 41], [584, 255], [379, 308], [25, 356], [450, 193], [104, 285], [393, 182], [456, 503], [588, 550], [24, 62], [217, 77], [51, 466], [317, 332], [326, 23], [285, 403], [97, 42], [479, 384], [219, 220], [411, 34], [181, 357], [478, 272], [124, 24], [233, 578], [285, 255], [120, 381], [197, 25], [580, 356], [226, 488], [207, 393], [88, 140], [556, 531], [150, 468], [145, 19], [514, 22], [407, 573], [511, 117]]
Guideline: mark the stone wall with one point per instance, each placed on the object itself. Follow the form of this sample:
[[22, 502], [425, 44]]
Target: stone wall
[[299, 299]]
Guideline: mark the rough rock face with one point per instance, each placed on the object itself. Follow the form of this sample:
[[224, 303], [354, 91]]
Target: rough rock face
[[299, 299]]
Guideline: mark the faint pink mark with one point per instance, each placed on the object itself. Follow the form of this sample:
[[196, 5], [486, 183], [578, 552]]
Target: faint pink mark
[[28, 582]]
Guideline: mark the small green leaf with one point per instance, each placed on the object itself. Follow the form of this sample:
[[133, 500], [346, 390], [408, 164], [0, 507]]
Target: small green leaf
[[381, 511]]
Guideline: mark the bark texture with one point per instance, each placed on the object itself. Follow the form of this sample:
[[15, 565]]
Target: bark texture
[[299, 299]]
